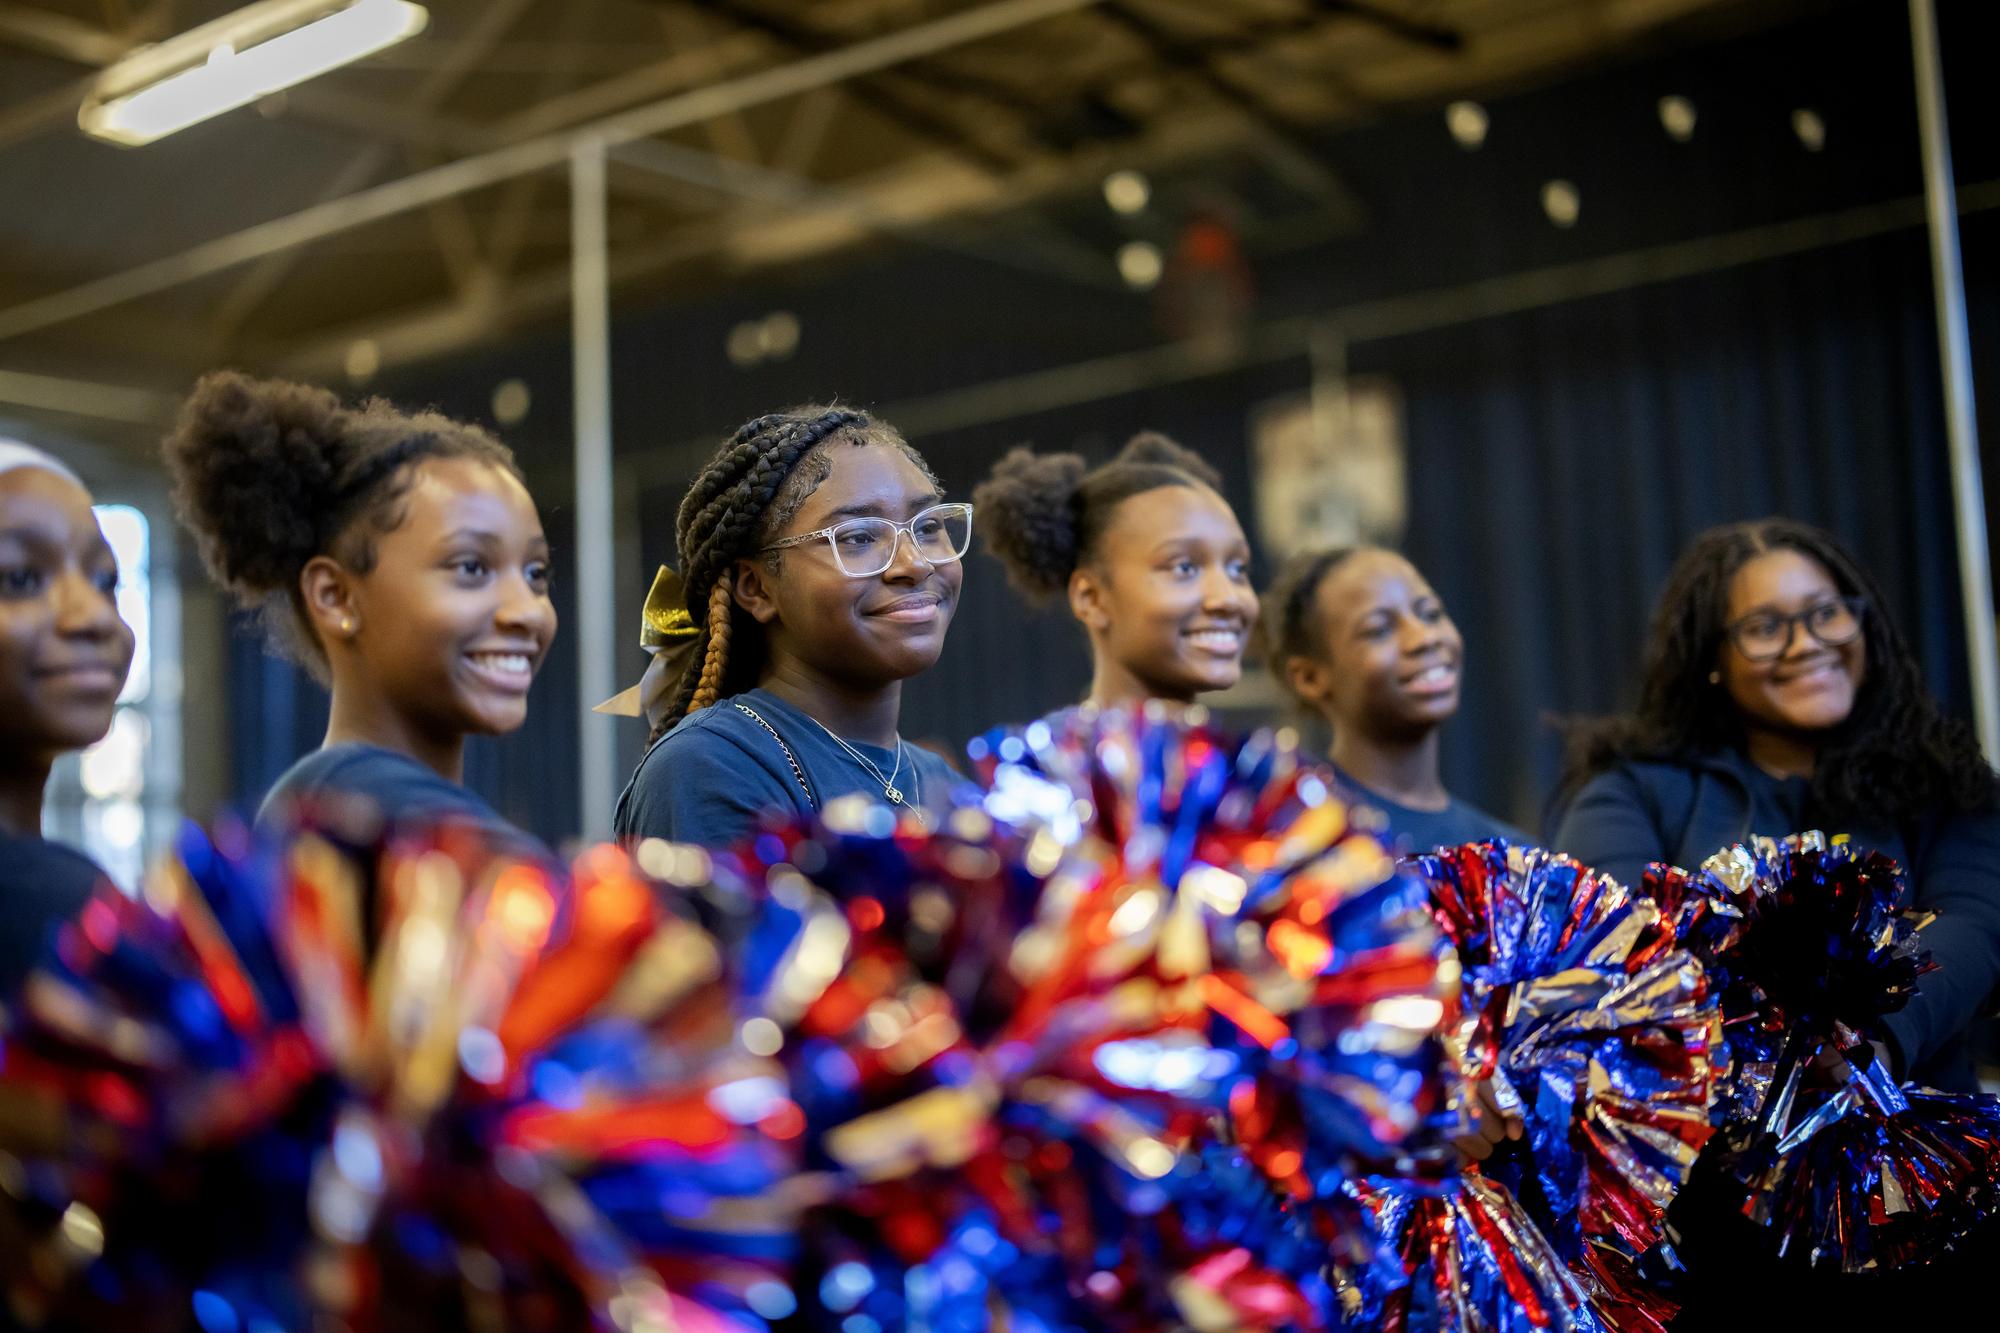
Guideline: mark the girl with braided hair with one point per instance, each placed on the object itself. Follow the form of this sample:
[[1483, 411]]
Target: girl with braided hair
[[1147, 553], [821, 565], [397, 555], [1778, 695]]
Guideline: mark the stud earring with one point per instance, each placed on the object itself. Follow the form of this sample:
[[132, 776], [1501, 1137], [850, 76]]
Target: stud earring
[[346, 626], [1715, 677]]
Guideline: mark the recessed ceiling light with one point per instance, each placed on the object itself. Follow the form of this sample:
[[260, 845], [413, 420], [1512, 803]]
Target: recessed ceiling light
[[1467, 122], [1562, 203], [1127, 191], [1140, 264]]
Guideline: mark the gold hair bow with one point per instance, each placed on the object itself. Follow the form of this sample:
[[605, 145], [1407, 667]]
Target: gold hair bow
[[667, 632]]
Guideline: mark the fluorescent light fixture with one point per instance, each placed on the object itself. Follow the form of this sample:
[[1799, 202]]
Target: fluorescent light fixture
[[237, 59]]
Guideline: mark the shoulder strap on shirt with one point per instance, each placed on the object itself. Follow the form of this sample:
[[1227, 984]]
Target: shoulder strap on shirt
[[812, 802]]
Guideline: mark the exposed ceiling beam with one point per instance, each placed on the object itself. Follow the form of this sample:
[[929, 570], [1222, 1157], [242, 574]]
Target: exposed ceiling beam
[[48, 33], [875, 92], [491, 168], [457, 239], [496, 20], [58, 106], [729, 136], [764, 185], [1406, 26], [1290, 151], [85, 398], [955, 82], [813, 117], [677, 72], [422, 333], [1194, 57], [412, 122]]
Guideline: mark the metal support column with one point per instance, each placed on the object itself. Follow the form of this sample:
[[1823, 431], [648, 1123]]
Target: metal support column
[[1975, 574], [596, 633]]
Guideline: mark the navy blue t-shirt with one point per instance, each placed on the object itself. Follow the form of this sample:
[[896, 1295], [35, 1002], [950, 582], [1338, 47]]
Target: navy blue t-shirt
[[708, 779], [404, 789], [1416, 831], [42, 885]]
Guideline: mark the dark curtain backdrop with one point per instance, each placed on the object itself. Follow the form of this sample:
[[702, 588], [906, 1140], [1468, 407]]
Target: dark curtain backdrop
[[1558, 461], [1558, 458]]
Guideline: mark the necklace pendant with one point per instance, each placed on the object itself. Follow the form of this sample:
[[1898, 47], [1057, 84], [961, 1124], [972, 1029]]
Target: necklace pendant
[[895, 794]]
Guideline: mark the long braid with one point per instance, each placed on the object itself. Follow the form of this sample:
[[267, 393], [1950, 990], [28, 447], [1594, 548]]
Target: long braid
[[722, 520], [709, 687]]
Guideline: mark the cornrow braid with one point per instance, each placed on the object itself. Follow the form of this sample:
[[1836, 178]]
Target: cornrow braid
[[753, 484]]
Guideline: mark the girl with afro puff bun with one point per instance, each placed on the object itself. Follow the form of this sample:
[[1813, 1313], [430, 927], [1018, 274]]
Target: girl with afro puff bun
[[398, 556], [1149, 555]]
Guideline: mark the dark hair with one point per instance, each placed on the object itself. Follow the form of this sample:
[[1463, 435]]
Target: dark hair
[[1045, 514], [269, 474], [1290, 624], [749, 489], [1894, 758]]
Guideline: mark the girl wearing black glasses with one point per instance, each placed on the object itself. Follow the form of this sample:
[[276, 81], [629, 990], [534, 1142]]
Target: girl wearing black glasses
[[1779, 696], [821, 565]]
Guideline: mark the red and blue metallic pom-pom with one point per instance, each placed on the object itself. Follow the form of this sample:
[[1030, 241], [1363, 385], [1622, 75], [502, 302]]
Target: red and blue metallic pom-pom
[[861, 1075], [1581, 1010], [1223, 875], [293, 1090]]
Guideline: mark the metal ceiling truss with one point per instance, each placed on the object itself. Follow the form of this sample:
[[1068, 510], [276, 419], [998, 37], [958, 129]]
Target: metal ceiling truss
[[899, 75]]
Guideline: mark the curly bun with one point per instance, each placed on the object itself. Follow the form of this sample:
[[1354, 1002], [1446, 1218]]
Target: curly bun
[[268, 474], [256, 466], [1149, 446], [1027, 511], [1045, 514]]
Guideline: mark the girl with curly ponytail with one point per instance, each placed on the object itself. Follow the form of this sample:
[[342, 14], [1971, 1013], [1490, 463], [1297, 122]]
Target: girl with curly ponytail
[[821, 568], [1148, 555], [397, 555]]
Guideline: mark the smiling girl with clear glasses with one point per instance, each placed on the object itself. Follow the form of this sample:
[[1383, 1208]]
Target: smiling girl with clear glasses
[[822, 564]]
